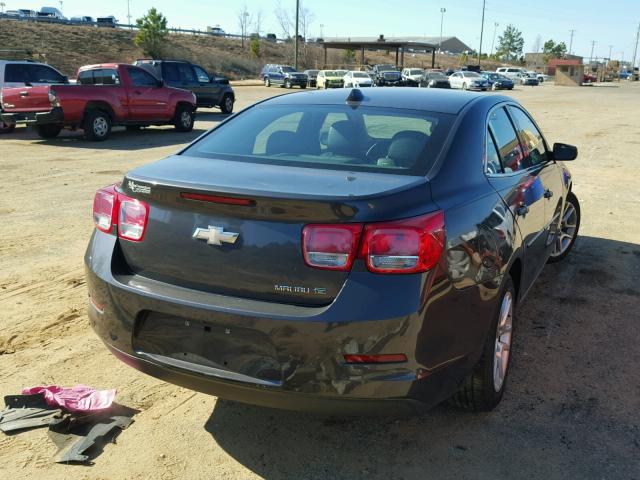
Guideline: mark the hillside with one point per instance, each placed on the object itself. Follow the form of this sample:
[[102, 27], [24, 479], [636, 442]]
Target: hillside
[[68, 47]]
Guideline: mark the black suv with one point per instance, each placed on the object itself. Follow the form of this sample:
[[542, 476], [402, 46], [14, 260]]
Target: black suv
[[283, 75], [386, 75], [210, 90]]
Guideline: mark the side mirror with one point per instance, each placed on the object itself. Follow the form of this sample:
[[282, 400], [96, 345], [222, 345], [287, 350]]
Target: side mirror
[[564, 152], [161, 83], [65, 79]]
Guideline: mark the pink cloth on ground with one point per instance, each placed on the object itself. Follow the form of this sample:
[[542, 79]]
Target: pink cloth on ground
[[79, 398]]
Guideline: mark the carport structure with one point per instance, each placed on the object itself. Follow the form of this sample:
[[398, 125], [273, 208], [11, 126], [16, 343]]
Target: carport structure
[[400, 46]]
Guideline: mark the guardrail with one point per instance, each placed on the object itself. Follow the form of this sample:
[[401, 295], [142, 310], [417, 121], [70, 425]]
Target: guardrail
[[126, 26]]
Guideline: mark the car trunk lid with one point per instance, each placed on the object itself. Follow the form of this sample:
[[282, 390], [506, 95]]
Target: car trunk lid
[[267, 206], [26, 99]]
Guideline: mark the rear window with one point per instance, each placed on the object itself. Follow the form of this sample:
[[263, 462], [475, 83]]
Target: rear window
[[331, 137], [99, 76]]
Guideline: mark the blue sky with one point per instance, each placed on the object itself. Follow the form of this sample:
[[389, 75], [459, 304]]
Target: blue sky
[[608, 23]]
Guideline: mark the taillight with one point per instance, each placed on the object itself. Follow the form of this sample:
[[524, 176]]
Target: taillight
[[331, 247], [132, 219], [410, 245], [104, 210], [113, 209], [404, 246]]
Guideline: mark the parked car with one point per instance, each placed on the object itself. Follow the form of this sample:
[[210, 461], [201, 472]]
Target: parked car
[[106, 95], [529, 79], [434, 79], [312, 75], [624, 75], [589, 78], [14, 14], [25, 73], [497, 81], [217, 31], [51, 12], [514, 73], [411, 76], [386, 277], [467, 80], [283, 75], [210, 90], [83, 19], [109, 22], [386, 74], [27, 13], [329, 79], [357, 79]]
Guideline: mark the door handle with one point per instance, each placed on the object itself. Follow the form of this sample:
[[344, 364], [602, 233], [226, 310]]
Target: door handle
[[522, 210], [24, 94], [548, 193]]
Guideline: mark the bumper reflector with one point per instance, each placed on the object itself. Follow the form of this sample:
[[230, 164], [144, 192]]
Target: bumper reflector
[[381, 358]]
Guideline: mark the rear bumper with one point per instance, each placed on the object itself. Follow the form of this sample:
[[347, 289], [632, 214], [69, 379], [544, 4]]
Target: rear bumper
[[296, 361], [55, 115]]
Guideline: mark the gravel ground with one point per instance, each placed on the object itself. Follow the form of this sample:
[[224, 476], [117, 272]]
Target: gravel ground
[[572, 408]]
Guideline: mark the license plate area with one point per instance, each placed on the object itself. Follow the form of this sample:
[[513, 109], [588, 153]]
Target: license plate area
[[239, 350]]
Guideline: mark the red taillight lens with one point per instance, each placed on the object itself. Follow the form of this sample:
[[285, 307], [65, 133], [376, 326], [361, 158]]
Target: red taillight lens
[[129, 215], [104, 204], [405, 246], [331, 247], [132, 219], [381, 358]]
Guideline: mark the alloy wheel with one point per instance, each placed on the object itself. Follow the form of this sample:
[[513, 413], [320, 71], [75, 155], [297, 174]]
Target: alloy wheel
[[503, 341], [185, 119], [100, 126], [228, 103], [566, 230]]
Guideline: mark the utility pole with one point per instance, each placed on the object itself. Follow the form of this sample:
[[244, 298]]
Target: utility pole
[[129, 13], [635, 49], [571, 41], [495, 29], [2, 5], [610, 48], [593, 44], [295, 51], [442, 12], [321, 31], [481, 31]]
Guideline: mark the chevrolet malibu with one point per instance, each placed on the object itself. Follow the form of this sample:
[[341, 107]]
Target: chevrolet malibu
[[341, 251]]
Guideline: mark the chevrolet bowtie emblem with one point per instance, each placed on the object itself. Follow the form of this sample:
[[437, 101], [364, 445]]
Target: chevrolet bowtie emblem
[[215, 235]]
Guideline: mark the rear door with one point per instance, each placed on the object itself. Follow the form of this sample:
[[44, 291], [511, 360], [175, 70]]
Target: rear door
[[521, 187], [275, 75], [148, 100], [537, 152]]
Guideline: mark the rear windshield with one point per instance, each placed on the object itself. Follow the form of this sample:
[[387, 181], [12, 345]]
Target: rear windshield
[[331, 137]]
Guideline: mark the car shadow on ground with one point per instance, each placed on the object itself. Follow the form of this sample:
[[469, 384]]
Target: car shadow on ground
[[570, 411]]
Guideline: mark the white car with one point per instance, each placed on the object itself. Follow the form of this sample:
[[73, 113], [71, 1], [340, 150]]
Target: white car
[[514, 73], [412, 76], [467, 80], [356, 79]]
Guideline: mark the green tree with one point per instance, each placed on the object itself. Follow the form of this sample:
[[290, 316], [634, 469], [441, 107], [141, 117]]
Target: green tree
[[510, 44], [254, 46], [349, 57], [552, 49], [152, 33]]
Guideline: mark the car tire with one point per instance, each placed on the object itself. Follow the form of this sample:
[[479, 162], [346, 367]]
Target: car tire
[[464, 86], [287, 84], [569, 226], [267, 82], [97, 125], [303, 86], [483, 388], [183, 119], [494, 87], [226, 106], [48, 131]]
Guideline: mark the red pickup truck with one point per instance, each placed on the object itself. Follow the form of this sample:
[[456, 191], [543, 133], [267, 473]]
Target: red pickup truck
[[105, 95]]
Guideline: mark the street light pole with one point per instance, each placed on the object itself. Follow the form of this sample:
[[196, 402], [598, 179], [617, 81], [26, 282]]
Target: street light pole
[[2, 5], [495, 29], [571, 41], [322, 31], [481, 31], [295, 51], [442, 12], [593, 44], [129, 12]]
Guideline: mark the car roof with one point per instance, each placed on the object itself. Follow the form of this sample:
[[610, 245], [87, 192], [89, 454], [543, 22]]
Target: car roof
[[103, 65], [432, 100]]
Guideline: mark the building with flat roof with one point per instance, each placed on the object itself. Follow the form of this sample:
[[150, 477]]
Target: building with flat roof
[[449, 44]]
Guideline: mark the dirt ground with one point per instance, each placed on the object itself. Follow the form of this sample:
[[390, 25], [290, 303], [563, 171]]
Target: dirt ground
[[572, 408]]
